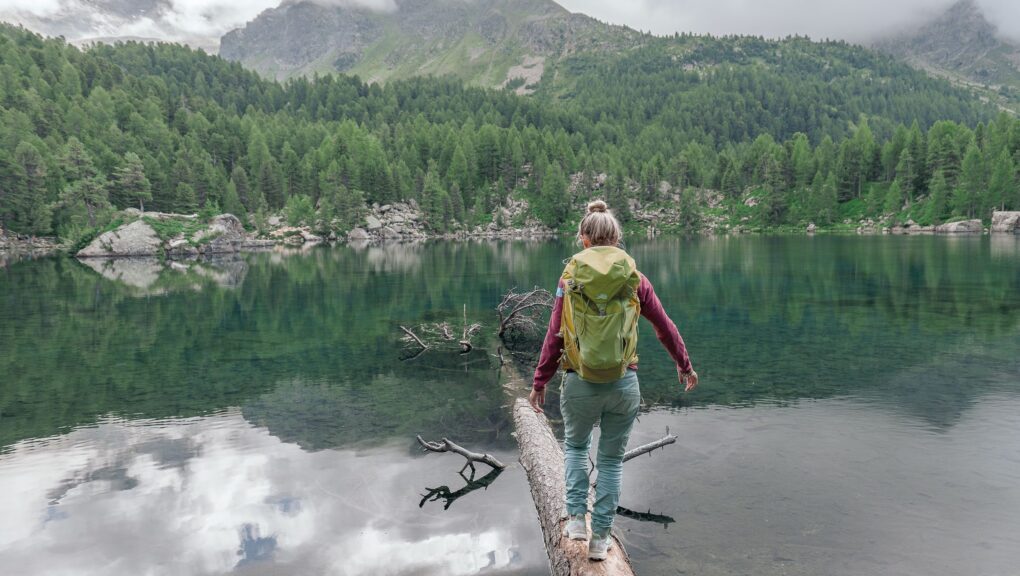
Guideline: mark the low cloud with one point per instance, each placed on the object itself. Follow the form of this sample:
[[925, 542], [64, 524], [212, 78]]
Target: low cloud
[[197, 22], [860, 21], [202, 22]]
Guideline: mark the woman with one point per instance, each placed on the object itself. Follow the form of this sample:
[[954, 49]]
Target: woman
[[613, 403]]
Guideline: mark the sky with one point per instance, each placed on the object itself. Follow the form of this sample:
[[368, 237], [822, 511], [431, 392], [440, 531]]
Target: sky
[[858, 21], [202, 22]]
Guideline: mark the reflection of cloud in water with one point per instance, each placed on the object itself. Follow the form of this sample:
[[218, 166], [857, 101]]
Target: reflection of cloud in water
[[208, 495]]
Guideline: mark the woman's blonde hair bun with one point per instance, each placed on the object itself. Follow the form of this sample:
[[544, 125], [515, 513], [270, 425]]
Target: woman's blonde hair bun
[[599, 225]]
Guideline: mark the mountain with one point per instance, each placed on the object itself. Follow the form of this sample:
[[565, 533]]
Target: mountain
[[484, 42], [964, 47]]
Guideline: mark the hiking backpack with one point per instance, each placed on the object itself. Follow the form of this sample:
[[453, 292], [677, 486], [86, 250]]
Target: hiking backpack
[[600, 314]]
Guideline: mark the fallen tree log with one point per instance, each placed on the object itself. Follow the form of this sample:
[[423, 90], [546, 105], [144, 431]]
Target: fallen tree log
[[542, 460]]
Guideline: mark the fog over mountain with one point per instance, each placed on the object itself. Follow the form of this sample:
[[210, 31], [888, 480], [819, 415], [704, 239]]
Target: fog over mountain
[[202, 22], [860, 21]]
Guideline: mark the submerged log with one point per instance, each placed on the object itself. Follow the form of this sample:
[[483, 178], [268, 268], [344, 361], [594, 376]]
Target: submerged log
[[542, 460]]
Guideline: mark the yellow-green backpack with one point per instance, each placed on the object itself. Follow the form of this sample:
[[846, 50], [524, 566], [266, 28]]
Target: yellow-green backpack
[[600, 314]]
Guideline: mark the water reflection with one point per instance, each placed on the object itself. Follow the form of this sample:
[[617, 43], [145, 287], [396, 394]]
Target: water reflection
[[214, 494], [152, 277], [827, 487]]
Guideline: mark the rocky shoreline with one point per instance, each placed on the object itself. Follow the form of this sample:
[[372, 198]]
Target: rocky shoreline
[[180, 236]]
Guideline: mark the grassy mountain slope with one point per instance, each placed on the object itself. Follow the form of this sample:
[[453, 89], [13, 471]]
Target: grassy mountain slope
[[485, 42]]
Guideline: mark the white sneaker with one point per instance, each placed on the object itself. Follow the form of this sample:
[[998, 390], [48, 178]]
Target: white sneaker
[[576, 528], [598, 546]]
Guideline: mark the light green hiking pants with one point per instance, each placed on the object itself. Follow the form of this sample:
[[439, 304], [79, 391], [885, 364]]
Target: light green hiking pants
[[583, 404]]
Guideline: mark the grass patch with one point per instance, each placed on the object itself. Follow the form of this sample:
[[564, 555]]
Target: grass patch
[[171, 228], [91, 234]]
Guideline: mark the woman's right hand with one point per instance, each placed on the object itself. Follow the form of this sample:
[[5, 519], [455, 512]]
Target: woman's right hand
[[689, 380]]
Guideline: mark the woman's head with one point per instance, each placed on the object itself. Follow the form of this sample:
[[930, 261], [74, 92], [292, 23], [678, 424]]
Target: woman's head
[[599, 227]]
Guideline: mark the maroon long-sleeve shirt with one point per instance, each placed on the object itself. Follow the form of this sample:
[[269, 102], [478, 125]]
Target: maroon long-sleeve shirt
[[651, 308]]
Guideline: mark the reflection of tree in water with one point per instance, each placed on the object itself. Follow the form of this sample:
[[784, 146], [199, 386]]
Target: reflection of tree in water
[[470, 485], [767, 319], [929, 324], [330, 414]]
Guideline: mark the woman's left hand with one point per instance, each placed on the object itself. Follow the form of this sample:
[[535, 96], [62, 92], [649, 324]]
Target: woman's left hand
[[689, 380], [536, 399]]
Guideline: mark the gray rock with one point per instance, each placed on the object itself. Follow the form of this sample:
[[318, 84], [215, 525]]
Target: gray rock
[[309, 237], [962, 227], [227, 235], [134, 239], [373, 223], [358, 234], [1006, 222], [274, 221], [389, 233], [811, 228], [385, 208]]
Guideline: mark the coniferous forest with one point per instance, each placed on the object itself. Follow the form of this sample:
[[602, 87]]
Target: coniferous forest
[[822, 132]]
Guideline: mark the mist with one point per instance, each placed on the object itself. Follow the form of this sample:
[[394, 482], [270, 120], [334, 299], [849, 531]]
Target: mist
[[862, 21], [199, 23], [202, 22]]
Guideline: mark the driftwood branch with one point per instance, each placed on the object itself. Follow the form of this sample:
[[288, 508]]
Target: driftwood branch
[[447, 446], [441, 336], [521, 312], [648, 448], [645, 516], [414, 337]]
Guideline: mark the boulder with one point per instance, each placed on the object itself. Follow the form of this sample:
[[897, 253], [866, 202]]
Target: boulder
[[274, 221], [389, 233], [373, 223], [358, 234], [811, 228], [226, 232], [307, 236], [961, 227], [134, 239], [1006, 222]]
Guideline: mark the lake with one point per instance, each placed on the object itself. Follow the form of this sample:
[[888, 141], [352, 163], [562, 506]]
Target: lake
[[859, 412]]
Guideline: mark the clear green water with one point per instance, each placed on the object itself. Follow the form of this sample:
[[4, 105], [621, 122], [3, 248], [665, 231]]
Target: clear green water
[[859, 412]]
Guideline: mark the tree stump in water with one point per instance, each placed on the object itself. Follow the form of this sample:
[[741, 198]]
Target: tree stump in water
[[542, 459]]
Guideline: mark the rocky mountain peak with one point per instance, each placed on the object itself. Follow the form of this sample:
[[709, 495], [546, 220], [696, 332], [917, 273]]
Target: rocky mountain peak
[[961, 44]]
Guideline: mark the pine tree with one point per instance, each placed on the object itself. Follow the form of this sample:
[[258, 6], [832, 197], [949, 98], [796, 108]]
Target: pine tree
[[972, 183], [28, 211], [1002, 182], [130, 182], [86, 187], [232, 202], [894, 198], [937, 207]]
